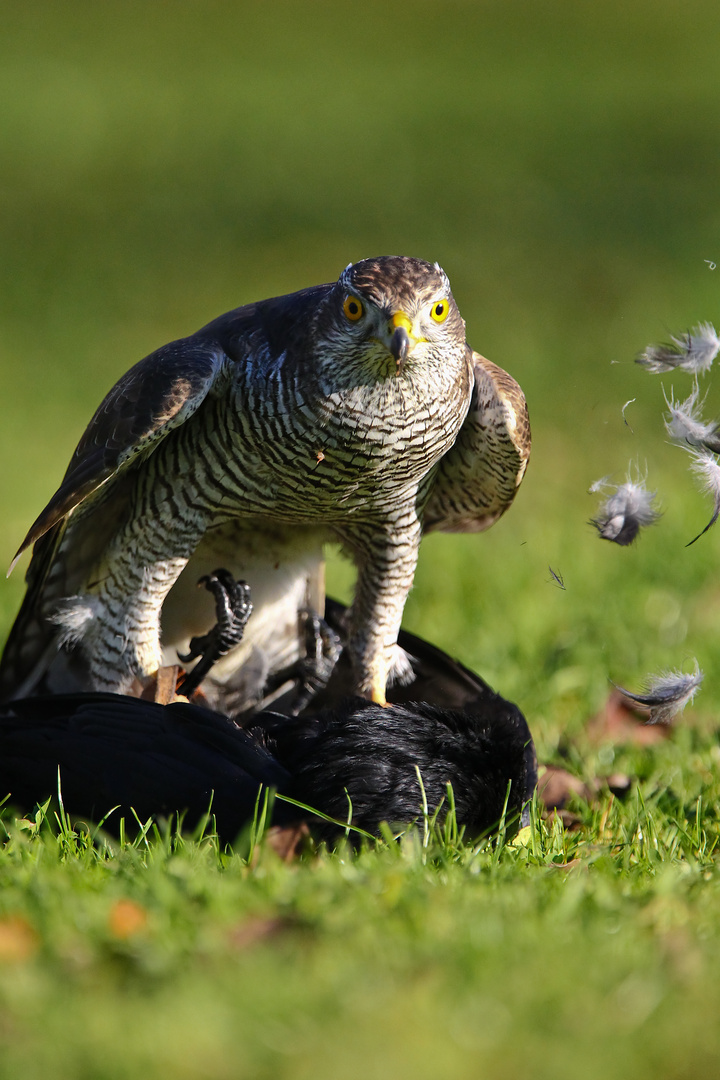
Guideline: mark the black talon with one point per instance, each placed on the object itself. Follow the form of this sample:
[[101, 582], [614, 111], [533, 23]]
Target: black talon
[[323, 651], [232, 609], [312, 672]]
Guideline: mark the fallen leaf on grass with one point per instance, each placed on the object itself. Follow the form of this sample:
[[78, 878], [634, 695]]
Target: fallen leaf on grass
[[570, 822], [126, 919], [522, 838], [287, 841], [619, 784], [618, 722], [256, 929], [556, 786], [567, 865], [18, 939]]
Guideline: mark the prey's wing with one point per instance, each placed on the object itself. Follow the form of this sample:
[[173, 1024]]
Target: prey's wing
[[476, 481], [152, 398], [125, 755]]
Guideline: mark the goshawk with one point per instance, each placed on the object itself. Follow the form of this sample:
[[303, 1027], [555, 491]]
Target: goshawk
[[352, 412]]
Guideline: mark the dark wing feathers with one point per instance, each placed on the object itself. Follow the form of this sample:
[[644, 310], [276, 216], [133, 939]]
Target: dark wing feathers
[[163, 390], [281, 324], [113, 751], [152, 398], [118, 751]]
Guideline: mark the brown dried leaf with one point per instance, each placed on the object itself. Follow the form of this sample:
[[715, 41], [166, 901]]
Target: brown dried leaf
[[572, 865], [126, 919], [618, 722], [18, 939], [287, 841], [556, 786], [619, 784]]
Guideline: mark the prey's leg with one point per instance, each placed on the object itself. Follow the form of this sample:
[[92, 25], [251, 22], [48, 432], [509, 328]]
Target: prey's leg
[[312, 672]]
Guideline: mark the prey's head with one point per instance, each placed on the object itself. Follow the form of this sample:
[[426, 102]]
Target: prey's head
[[391, 312]]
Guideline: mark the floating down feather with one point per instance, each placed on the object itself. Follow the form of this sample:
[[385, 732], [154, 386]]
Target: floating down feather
[[666, 694], [629, 508], [684, 423], [693, 351], [705, 466]]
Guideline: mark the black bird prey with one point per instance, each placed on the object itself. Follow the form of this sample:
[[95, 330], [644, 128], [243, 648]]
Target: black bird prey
[[353, 758], [352, 412]]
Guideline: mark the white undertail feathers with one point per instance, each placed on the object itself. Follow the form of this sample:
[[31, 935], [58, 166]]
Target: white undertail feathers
[[73, 617]]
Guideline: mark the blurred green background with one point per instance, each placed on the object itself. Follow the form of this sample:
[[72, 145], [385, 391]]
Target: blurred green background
[[161, 163]]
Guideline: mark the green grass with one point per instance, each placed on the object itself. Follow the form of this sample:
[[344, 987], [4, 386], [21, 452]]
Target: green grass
[[173, 958], [160, 164]]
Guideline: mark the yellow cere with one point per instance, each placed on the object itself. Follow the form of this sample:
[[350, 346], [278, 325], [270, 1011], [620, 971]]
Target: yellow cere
[[399, 319], [439, 311], [352, 308]]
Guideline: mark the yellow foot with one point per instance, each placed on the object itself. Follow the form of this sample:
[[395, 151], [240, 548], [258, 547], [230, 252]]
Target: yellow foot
[[377, 692]]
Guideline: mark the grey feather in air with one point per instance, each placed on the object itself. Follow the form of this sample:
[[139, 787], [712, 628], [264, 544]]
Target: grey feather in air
[[666, 694], [705, 466], [629, 508], [684, 423], [693, 351]]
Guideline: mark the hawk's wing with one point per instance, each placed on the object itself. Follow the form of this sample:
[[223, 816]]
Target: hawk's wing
[[476, 481], [152, 398], [146, 404], [163, 390]]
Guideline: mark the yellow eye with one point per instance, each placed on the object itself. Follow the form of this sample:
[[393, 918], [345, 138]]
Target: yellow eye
[[352, 308], [439, 311]]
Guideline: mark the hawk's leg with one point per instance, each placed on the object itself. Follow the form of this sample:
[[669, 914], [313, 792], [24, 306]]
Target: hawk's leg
[[386, 558], [129, 584], [233, 609]]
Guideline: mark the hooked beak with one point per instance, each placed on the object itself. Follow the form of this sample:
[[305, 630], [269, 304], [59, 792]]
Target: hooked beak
[[400, 342]]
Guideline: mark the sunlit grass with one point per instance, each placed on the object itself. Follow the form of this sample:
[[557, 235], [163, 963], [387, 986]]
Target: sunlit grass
[[535, 954]]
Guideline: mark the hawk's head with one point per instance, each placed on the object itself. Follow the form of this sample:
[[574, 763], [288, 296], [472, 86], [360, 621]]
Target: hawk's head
[[392, 313]]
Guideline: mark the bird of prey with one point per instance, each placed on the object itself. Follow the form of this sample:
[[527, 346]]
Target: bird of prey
[[352, 412]]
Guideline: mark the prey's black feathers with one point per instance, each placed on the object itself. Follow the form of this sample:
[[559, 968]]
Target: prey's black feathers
[[113, 750], [116, 751], [365, 757]]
